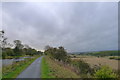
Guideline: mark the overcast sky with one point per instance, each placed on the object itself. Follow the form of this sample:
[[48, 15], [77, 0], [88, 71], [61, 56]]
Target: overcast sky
[[76, 26]]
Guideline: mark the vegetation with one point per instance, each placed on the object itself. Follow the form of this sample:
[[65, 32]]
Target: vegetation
[[12, 71], [116, 58], [45, 69], [79, 67], [104, 53], [61, 56], [105, 72], [82, 68], [17, 50], [55, 64], [56, 70], [57, 53], [8, 51]]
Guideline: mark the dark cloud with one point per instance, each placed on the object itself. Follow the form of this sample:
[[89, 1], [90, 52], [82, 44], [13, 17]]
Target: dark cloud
[[78, 26]]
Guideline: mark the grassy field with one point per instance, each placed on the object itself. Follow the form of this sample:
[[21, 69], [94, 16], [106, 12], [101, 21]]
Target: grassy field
[[51, 69], [14, 70], [92, 60]]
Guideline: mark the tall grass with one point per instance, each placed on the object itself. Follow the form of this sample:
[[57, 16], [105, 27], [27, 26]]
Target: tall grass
[[55, 70]]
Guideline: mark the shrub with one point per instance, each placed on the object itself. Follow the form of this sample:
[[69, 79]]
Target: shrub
[[116, 58], [82, 66], [105, 72]]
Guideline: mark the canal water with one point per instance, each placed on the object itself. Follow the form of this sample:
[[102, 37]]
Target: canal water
[[6, 62]]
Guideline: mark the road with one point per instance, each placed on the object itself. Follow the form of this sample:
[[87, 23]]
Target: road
[[33, 71]]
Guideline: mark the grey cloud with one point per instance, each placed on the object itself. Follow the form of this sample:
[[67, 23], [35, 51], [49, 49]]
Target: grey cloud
[[76, 26]]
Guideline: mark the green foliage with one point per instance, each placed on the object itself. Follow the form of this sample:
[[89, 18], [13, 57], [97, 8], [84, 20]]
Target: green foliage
[[10, 52], [116, 58], [57, 53], [18, 47], [105, 72], [16, 52], [13, 53], [4, 55], [83, 68], [7, 52]]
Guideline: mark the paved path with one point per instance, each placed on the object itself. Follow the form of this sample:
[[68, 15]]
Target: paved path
[[33, 71]]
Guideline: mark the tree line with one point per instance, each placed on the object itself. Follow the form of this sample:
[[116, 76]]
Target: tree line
[[19, 49]]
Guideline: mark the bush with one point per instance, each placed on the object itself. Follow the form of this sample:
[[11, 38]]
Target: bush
[[105, 72], [116, 58], [83, 67]]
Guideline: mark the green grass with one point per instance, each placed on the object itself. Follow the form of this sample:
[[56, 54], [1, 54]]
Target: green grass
[[0, 72], [14, 70], [45, 69]]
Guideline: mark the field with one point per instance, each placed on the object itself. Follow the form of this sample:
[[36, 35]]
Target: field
[[92, 61]]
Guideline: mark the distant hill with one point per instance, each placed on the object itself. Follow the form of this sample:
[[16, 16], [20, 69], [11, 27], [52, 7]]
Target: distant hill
[[104, 53], [100, 53]]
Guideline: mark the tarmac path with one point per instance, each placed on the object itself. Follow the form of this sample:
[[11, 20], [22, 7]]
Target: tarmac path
[[33, 71]]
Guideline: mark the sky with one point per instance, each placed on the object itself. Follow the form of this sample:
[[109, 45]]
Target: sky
[[78, 26]]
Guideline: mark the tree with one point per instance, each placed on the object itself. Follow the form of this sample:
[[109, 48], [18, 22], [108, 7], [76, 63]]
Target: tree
[[18, 47], [47, 47], [39, 53], [3, 40], [57, 53], [48, 50], [26, 46], [18, 44], [9, 52], [61, 54], [1, 34]]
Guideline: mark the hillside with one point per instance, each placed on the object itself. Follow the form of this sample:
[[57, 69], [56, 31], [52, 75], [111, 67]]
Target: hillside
[[102, 53]]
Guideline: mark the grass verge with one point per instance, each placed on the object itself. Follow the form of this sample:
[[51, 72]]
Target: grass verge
[[45, 70], [14, 70], [50, 69]]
